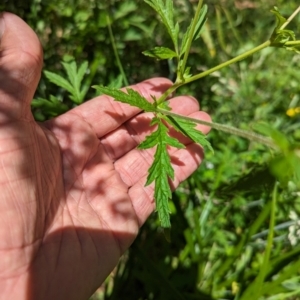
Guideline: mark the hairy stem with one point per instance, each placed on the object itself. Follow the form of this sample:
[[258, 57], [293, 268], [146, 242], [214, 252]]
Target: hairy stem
[[168, 92], [229, 62], [252, 136]]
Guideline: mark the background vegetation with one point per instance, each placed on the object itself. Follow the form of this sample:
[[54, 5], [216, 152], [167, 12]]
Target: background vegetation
[[221, 216]]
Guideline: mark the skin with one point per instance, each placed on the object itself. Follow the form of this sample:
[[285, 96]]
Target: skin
[[72, 189]]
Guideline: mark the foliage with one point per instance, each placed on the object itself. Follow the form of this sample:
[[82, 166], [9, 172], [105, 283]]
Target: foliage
[[221, 217], [161, 169]]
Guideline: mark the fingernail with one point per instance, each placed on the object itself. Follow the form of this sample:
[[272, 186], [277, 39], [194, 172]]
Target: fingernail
[[2, 25]]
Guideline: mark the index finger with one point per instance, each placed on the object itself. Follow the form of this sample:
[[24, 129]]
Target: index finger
[[104, 114]]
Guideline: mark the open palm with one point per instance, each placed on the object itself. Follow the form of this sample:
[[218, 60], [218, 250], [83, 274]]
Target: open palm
[[72, 189]]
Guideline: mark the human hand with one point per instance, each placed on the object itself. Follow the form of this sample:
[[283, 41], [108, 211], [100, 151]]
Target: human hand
[[72, 189]]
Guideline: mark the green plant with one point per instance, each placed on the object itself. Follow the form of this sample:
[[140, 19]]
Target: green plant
[[161, 169], [221, 215]]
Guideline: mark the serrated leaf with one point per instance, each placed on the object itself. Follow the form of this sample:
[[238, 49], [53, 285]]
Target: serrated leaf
[[280, 20], [166, 12], [116, 82], [75, 77], [169, 10], [160, 53], [73, 84], [161, 169], [162, 191], [132, 97], [188, 128], [187, 73], [176, 34], [153, 4], [174, 142], [52, 107], [197, 32], [201, 22], [280, 36], [295, 48], [161, 133], [71, 70], [81, 72], [165, 105], [59, 81]]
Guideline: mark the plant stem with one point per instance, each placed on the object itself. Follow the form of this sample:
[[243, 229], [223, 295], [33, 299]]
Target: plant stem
[[175, 86], [264, 268], [255, 289], [245, 134], [113, 42], [252, 136], [225, 64], [190, 40], [292, 43], [168, 92], [291, 17], [229, 62]]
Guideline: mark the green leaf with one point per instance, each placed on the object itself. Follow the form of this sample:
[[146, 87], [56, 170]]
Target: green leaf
[[166, 12], [280, 36], [81, 72], [160, 53], [116, 82], [161, 169], [51, 107], [201, 22], [166, 105], [187, 73], [59, 81], [188, 128], [74, 82], [75, 77], [176, 34], [198, 30], [132, 97], [71, 70], [287, 167], [125, 9], [293, 47], [280, 20], [161, 132]]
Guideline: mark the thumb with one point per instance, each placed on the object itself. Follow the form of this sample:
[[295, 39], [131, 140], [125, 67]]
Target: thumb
[[20, 68]]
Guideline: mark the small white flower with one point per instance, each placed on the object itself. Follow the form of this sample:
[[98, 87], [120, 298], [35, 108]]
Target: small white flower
[[294, 229]]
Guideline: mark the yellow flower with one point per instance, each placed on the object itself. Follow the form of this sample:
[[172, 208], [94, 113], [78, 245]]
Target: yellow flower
[[234, 287], [291, 112]]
